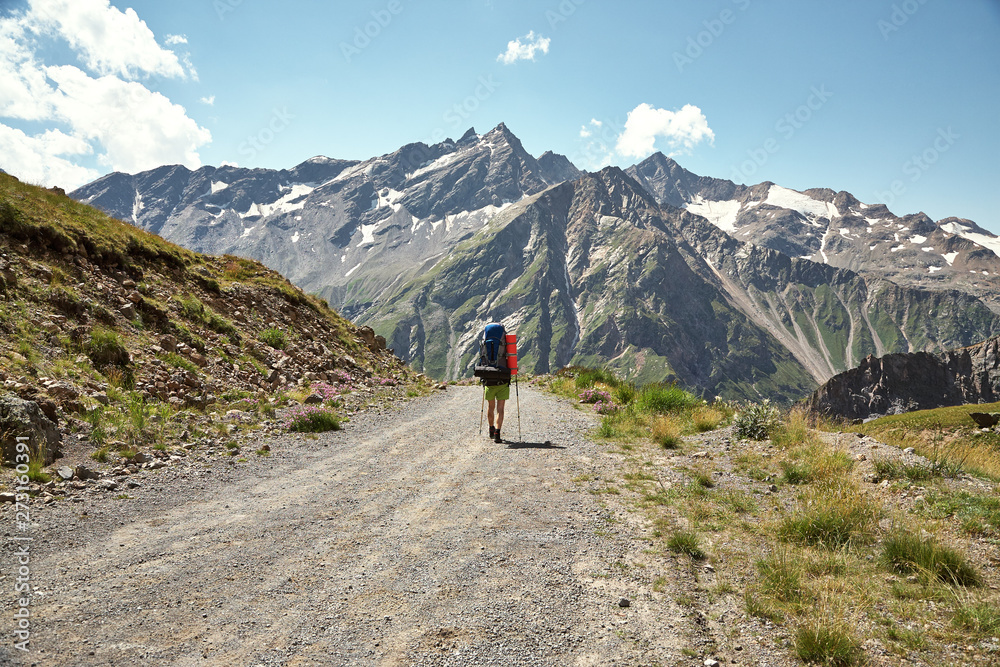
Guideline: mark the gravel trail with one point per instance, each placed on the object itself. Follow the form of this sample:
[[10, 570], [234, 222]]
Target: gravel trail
[[405, 539]]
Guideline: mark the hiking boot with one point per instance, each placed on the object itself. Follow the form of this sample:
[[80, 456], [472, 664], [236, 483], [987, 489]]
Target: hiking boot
[[493, 432], [496, 437]]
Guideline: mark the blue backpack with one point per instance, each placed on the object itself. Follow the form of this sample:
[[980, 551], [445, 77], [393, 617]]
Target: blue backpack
[[492, 366]]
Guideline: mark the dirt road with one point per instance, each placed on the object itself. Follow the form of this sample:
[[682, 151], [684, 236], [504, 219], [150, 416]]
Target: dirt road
[[407, 538]]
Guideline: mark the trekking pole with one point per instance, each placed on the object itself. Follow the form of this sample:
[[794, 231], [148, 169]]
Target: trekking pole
[[483, 407], [517, 395]]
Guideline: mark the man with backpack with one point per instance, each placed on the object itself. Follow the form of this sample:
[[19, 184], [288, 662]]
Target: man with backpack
[[496, 394], [494, 372]]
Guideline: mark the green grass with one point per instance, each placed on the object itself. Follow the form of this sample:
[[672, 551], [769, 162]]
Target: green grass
[[662, 399], [978, 515], [822, 642], [832, 517], [274, 338], [894, 469], [686, 542], [906, 553], [946, 436], [315, 421], [981, 619], [105, 348], [781, 578]]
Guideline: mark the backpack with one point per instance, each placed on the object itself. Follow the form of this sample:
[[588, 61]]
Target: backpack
[[492, 366]]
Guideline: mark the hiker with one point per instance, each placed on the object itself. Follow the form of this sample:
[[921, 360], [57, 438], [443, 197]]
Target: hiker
[[497, 393], [497, 359]]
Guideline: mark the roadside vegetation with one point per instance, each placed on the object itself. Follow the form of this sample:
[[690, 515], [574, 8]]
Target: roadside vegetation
[[848, 548]]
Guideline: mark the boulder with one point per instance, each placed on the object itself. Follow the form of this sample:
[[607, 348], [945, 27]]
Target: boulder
[[19, 417], [985, 419], [900, 382], [83, 472]]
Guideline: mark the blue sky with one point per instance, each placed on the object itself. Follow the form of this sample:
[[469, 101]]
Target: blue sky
[[895, 101]]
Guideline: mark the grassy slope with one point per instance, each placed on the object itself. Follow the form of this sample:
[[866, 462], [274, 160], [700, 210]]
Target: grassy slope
[[826, 565]]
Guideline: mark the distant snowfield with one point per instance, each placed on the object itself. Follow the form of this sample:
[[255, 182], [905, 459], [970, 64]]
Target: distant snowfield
[[990, 242], [722, 214], [804, 204]]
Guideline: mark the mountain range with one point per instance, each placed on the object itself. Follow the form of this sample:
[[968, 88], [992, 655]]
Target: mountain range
[[732, 290]]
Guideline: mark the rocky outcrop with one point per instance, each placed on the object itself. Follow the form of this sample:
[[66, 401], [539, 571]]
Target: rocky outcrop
[[916, 381], [24, 419]]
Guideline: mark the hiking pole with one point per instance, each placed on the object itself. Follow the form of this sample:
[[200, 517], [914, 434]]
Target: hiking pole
[[517, 395], [483, 407]]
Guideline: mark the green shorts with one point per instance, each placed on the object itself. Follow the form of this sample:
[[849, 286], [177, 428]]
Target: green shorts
[[500, 392]]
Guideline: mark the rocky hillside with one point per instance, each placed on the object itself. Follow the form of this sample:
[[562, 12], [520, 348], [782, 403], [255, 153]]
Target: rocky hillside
[[915, 381], [835, 228], [595, 271], [344, 230], [92, 307]]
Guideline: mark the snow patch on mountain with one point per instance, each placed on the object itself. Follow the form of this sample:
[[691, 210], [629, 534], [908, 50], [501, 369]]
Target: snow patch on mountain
[[722, 214], [989, 242], [804, 204], [219, 186]]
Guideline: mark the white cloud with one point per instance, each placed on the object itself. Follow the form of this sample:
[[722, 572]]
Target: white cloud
[[516, 50], [139, 129], [584, 132], [108, 40], [682, 129], [210, 100], [127, 126], [595, 122], [41, 159], [175, 39]]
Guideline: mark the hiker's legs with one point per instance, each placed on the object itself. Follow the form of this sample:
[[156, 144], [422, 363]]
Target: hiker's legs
[[489, 411], [499, 421]]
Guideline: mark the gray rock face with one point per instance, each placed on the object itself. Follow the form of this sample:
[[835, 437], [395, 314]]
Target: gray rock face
[[835, 228], [595, 271], [343, 229], [913, 381], [19, 417]]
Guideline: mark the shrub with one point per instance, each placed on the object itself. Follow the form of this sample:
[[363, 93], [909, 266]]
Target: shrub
[[905, 552], [274, 337], [624, 393], [756, 421], [594, 396], [105, 349], [605, 407], [588, 377], [311, 419], [661, 399]]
